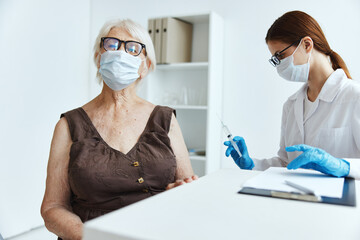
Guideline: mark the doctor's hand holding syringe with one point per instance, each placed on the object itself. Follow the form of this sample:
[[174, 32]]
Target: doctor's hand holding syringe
[[237, 149], [243, 159]]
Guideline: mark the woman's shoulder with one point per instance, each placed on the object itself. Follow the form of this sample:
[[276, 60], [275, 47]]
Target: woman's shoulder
[[350, 90], [147, 104], [164, 112], [157, 109], [161, 118], [62, 124], [352, 85], [165, 108], [62, 131], [72, 111]]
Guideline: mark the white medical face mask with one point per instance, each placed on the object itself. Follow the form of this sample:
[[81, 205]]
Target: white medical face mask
[[119, 69], [294, 73]]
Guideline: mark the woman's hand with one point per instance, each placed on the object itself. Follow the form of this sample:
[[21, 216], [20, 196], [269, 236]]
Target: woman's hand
[[180, 182], [244, 161], [319, 160]]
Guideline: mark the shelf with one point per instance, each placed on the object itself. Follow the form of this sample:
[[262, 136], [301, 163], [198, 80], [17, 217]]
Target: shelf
[[193, 89], [188, 107], [183, 66], [197, 157]]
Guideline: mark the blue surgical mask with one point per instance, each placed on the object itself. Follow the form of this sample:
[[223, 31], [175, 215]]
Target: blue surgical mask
[[294, 73], [119, 69]]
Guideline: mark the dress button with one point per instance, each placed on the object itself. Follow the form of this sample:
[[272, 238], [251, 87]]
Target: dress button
[[135, 164], [145, 190], [140, 180]]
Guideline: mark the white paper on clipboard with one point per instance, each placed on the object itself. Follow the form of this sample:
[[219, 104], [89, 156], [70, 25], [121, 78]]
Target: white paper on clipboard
[[274, 179]]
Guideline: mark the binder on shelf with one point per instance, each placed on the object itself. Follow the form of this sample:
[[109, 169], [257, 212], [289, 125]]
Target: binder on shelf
[[176, 41], [151, 29], [158, 38]]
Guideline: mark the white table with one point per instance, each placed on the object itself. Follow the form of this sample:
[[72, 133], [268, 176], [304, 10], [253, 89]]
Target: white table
[[211, 208]]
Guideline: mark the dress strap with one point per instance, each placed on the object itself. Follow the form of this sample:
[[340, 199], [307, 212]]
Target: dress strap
[[78, 125], [160, 119]]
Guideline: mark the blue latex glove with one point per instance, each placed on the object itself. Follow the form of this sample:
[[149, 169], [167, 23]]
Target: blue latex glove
[[244, 162], [319, 160]]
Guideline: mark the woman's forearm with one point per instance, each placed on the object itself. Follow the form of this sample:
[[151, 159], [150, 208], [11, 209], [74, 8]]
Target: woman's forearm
[[63, 223]]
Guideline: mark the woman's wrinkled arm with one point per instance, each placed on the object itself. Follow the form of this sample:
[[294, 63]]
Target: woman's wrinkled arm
[[184, 171], [56, 209]]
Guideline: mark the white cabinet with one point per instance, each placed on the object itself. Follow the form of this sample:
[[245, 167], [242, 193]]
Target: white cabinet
[[194, 89]]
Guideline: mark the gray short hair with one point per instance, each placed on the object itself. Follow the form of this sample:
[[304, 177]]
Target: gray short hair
[[135, 30]]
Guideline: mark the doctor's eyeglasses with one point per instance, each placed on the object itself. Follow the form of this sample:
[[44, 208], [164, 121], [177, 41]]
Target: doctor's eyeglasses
[[275, 60], [113, 44]]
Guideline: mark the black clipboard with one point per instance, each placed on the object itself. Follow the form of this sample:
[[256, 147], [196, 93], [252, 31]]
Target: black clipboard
[[348, 196]]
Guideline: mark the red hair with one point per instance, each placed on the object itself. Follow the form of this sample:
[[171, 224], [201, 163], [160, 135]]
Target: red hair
[[292, 26]]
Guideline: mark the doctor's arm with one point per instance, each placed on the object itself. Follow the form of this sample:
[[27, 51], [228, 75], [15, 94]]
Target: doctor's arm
[[355, 126], [56, 209], [354, 167]]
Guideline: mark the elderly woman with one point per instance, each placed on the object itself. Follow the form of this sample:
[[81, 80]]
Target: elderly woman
[[118, 148]]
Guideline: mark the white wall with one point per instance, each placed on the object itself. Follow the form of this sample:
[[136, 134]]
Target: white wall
[[253, 91], [44, 70]]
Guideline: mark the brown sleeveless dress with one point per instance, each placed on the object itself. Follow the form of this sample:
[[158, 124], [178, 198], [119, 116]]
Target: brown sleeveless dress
[[103, 179]]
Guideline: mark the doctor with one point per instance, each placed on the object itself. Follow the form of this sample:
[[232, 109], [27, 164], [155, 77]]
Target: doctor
[[321, 121]]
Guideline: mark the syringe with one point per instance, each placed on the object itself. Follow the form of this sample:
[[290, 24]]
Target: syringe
[[229, 136]]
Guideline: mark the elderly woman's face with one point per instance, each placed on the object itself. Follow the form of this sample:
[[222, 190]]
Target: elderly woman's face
[[125, 36]]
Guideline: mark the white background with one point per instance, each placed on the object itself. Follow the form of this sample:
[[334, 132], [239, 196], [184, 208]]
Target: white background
[[46, 68], [44, 61]]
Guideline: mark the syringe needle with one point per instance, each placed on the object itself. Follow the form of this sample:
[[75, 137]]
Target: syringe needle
[[229, 136]]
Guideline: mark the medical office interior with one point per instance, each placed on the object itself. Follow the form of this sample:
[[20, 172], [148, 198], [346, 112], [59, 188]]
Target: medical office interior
[[46, 69]]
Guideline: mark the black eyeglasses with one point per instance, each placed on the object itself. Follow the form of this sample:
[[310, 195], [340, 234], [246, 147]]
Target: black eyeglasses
[[113, 44], [274, 60]]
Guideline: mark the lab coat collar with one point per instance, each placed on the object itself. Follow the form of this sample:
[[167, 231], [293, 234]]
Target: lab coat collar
[[332, 86], [299, 93], [298, 98], [328, 92]]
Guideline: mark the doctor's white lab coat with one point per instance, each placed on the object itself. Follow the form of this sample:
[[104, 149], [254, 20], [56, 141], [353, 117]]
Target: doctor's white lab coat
[[332, 124]]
